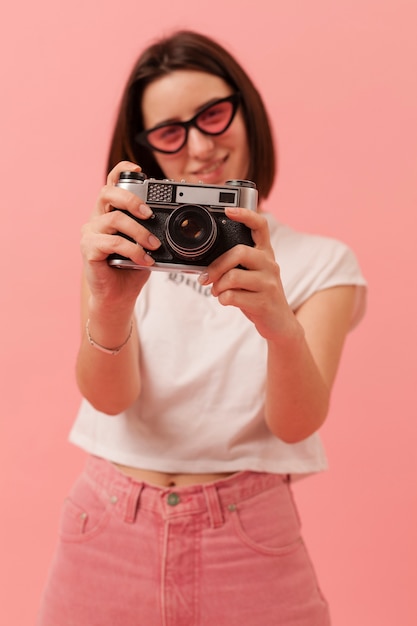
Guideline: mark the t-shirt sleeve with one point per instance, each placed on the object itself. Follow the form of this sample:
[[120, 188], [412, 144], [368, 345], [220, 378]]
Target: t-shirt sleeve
[[310, 263]]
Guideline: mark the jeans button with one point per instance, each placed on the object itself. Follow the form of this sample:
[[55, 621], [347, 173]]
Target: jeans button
[[173, 499]]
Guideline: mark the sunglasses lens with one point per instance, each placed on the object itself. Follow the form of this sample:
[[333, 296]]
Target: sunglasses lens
[[167, 138], [216, 118]]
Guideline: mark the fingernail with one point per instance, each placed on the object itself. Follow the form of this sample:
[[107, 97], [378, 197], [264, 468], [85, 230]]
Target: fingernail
[[145, 211], [148, 259], [203, 278], [153, 241]]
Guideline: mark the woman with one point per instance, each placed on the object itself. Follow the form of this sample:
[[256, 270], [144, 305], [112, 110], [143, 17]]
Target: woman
[[203, 394]]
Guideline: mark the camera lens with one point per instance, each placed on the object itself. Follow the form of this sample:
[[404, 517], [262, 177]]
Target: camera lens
[[191, 231]]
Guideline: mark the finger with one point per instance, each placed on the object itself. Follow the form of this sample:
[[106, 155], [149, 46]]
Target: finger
[[253, 220], [131, 250], [98, 246], [112, 197], [265, 279], [241, 280], [239, 256], [123, 166], [118, 222]]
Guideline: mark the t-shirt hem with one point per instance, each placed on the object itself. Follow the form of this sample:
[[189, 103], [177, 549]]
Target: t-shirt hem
[[297, 468]]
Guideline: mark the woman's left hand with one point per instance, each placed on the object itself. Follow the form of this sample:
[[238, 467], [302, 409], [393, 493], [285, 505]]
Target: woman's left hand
[[257, 290], [304, 347]]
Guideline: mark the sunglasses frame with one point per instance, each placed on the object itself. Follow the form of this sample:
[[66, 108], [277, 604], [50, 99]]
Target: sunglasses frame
[[142, 137]]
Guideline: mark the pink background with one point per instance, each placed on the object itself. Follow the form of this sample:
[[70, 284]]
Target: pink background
[[340, 81]]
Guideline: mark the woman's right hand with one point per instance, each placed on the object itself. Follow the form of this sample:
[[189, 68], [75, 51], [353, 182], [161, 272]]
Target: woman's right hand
[[112, 382], [109, 286]]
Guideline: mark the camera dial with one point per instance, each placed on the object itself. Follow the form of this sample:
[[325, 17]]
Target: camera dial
[[126, 176], [241, 183]]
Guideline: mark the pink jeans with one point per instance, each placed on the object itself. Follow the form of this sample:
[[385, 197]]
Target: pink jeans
[[220, 554]]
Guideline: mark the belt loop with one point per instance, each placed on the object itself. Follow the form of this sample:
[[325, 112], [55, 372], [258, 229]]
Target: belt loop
[[213, 506], [132, 504]]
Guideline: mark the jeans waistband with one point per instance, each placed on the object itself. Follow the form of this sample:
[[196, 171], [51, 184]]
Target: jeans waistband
[[213, 498]]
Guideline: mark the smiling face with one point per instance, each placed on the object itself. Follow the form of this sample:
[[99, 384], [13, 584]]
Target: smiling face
[[211, 159]]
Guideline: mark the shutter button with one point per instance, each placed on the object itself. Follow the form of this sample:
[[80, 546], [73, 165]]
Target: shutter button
[[173, 499]]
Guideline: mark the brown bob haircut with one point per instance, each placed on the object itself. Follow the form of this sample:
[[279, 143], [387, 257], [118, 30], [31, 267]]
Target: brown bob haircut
[[189, 50]]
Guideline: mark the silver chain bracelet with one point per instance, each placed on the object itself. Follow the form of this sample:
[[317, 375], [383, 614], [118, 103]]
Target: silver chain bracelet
[[112, 351]]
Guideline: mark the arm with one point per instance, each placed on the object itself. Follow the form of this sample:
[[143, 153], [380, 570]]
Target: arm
[[302, 367], [112, 382], [304, 348]]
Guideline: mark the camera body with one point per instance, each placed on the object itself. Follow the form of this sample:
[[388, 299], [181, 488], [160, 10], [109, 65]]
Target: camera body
[[189, 220]]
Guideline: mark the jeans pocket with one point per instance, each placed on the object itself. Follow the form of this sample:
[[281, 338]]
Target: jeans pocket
[[268, 523], [85, 513]]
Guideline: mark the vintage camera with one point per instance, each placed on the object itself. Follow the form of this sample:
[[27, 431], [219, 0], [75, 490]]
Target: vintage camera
[[189, 220]]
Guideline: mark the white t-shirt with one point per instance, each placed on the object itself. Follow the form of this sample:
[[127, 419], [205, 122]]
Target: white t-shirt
[[203, 365]]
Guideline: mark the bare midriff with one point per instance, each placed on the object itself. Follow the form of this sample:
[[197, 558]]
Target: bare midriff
[[163, 479]]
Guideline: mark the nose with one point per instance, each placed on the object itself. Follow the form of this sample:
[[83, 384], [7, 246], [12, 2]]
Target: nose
[[199, 145]]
